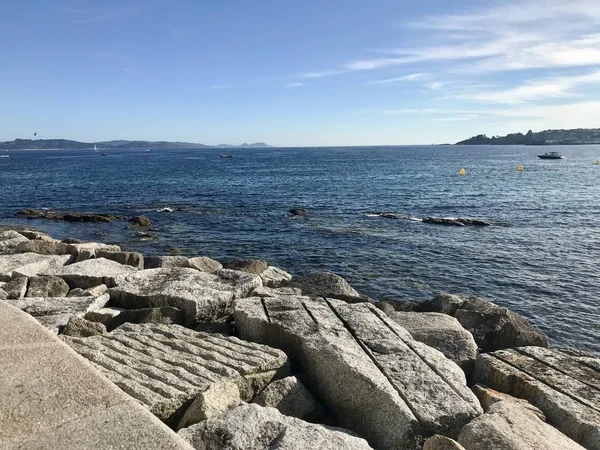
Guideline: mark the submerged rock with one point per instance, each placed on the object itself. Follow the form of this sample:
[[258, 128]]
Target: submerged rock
[[509, 426], [460, 222], [140, 221], [253, 427], [181, 375], [563, 385], [299, 212], [66, 216], [492, 326], [378, 380]]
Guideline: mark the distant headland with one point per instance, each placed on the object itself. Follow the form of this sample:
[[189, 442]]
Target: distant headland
[[65, 144], [577, 136]]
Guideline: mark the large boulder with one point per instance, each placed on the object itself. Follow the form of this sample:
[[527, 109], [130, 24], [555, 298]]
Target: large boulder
[[441, 332], [47, 286], [255, 266], [43, 248], [488, 396], [290, 397], [10, 240], [133, 259], [493, 327], [202, 296], [92, 272], [30, 264], [377, 379], [54, 313], [324, 284], [564, 385], [204, 264], [509, 426], [439, 442], [80, 327], [165, 262], [275, 277], [181, 375], [253, 427], [16, 288], [35, 235]]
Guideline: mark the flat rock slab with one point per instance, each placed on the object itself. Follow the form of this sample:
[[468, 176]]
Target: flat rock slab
[[253, 427], [203, 297], [10, 240], [30, 264], [441, 332], [374, 377], [564, 385], [168, 367], [92, 272], [509, 426], [54, 313]]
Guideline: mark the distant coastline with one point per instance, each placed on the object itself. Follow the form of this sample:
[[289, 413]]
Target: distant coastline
[[576, 136], [65, 144]]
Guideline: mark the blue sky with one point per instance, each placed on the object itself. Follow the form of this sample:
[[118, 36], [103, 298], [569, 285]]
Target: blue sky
[[331, 72]]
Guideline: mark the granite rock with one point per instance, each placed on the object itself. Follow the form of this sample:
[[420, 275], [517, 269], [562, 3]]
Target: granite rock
[[47, 286], [133, 259], [509, 426], [10, 240], [564, 385], [324, 284], [253, 427], [168, 368], [16, 288], [255, 266], [488, 396], [165, 262], [92, 272], [439, 442], [204, 264], [290, 397], [43, 248], [377, 379], [80, 327], [275, 277], [30, 264], [164, 315]]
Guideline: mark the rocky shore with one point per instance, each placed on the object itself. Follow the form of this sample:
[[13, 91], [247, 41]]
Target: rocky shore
[[242, 355]]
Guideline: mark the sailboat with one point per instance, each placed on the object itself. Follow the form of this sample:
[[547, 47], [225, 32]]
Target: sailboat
[[95, 148]]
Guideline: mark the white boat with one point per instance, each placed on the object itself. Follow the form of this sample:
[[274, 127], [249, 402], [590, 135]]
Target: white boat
[[551, 155], [4, 156]]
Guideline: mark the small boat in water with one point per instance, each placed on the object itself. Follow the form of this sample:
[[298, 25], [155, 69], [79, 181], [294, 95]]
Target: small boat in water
[[551, 155], [597, 162], [104, 154], [4, 156], [226, 155]]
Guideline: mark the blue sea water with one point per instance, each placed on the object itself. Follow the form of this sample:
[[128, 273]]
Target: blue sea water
[[539, 258]]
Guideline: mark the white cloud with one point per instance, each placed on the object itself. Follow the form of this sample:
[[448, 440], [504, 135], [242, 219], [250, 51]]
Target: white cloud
[[296, 84], [410, 77]]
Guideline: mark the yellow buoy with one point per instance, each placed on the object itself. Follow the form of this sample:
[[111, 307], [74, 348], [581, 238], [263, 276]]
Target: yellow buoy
[[597, 162], [520, 168], [462, 171]]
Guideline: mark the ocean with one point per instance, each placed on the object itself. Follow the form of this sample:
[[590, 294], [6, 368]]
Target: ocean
[[539, 257]]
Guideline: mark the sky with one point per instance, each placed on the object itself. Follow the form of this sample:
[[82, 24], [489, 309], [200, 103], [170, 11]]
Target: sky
[[305, 73]]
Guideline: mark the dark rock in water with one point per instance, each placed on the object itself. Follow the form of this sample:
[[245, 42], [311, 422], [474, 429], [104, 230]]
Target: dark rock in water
[[67, 217], [299, 212], [255, 266], [456, 222], [493, 327], [72, 241], [165, 315], [385, 215], [324, 284], [140, 221]]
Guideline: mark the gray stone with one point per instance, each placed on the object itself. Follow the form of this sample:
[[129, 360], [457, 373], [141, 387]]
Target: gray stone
[[43, 248], [290, 397], [16, 288], [165, 315], [218, 398], [488, 396], [54, 313], [263, 291], [255, 266], [156, 262], [378, 380], [563, 385], [92, 292], [30, 264], [275, 277], [324, 284], [103, 315], [133, 259], [3, 295], [204, 264], [202, 296], [36, 235], [10, 240], [168, 367], [47, 286], [441, 332], [79, 327], [492, 326], [92, 247], [52, 399], [508, 426], [253, 427], [439, 442], [92, 272]]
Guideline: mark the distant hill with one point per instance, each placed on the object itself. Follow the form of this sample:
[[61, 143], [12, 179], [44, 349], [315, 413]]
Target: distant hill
[[577, 136], [65, 144]]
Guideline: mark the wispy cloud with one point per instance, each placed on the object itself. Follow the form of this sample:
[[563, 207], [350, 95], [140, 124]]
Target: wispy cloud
[[410, 77], [294, 84], [221, 87]]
